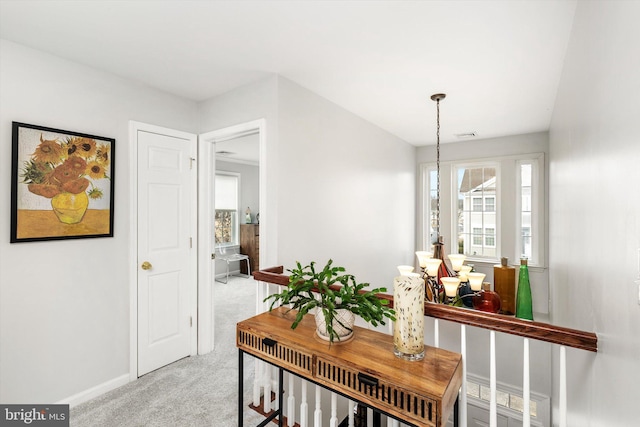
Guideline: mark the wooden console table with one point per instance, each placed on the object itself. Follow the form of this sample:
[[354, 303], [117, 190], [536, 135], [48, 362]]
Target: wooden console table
[[364, 369]]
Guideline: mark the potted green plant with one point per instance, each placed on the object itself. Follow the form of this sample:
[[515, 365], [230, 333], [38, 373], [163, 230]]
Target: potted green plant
[[335, 309]]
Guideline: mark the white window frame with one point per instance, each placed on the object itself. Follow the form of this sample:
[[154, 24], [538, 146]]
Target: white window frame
[[236, 231], [507, 207], [454, 166], [538, 241]]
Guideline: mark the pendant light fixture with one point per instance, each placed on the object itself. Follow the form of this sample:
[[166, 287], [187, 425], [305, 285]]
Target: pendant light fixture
[[438, 245]]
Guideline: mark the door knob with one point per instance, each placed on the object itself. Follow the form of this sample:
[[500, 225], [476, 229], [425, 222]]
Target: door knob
[[146, 265]]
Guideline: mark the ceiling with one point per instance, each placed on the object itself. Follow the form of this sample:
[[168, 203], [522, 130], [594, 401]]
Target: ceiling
[[499, 62]]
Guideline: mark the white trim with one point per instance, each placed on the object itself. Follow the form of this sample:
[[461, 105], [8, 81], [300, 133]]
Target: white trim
[[134, 128], [543, 402], [206, 268], [96, 391], [507, 221]]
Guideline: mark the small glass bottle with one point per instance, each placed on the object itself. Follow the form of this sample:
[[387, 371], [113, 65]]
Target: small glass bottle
[[524, 304]]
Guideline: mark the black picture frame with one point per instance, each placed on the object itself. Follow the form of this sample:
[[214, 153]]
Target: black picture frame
[[62, 184]]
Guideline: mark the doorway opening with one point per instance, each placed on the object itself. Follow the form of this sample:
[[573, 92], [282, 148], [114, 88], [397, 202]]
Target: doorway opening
[[238, 150]]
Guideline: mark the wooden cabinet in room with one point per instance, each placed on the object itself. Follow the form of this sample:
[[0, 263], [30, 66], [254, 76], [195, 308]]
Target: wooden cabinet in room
[[250, 245]]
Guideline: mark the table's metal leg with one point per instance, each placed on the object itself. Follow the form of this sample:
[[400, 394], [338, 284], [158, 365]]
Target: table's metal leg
[[455, 413], [240, 388], [280, 398]]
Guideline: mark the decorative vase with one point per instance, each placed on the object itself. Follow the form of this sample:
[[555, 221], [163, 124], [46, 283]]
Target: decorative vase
[[69, 207], [504, 283], [342, 324], [524, 302], [408, 329], [466, 294], [486, 300]]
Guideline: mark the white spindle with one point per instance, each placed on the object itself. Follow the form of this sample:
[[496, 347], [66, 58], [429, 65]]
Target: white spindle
[[304, 406], [436, 333], [392, 423], [563, 386], [333, 421], [266, 406], [350, 417], [317, 414], [291, 404], [526, 395], [493, 408], [275, 386], [462, 410], [256, 382]]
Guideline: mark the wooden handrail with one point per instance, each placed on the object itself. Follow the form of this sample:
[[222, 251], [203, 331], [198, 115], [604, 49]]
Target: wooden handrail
[[495, 322]]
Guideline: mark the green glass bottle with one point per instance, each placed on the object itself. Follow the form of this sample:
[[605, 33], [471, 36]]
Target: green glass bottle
[[524, 305]]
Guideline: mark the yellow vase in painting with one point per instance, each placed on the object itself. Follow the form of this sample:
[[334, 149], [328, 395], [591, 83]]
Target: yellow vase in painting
[[69, 207]]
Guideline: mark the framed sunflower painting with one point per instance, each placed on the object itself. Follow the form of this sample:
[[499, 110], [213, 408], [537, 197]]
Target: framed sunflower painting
[[61, 184]]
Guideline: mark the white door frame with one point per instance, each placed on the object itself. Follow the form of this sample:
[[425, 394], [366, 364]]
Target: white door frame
[[206, 171], [134, 127]]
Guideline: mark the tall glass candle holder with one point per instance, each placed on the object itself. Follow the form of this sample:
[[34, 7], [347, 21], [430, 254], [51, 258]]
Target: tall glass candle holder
[[408, 329]]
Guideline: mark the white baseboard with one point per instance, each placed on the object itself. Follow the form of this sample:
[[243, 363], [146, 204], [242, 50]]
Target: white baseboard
[[96, 391]]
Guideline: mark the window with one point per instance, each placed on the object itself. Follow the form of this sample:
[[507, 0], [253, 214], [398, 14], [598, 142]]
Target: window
[[489, 208], [476, 188], [490, 204], [490, 237], [529, 244], [227, 187], [477, 236]]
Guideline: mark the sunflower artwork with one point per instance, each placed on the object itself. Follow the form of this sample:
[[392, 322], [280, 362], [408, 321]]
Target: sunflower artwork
[[62, 184]]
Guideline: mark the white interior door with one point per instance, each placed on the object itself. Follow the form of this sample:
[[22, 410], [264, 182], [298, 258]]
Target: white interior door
[[166, 248]]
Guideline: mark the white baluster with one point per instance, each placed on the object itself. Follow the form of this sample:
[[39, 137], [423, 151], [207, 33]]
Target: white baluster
[[304, 406], [436, 333], [274, 386], [350, 416], [333, 421], [259, 297], [526, 393], [291, 404], [493, 408], [267, 390], [462, 408], [392, 423], [563, 386], [317, 414], [256, 382]]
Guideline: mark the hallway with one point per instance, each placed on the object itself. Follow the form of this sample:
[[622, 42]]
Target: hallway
[[195, 391]]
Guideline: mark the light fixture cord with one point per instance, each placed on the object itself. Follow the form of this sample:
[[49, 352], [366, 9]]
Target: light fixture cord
[[438, 171]]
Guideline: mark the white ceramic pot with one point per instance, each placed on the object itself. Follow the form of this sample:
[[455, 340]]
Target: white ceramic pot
[[342, 324]]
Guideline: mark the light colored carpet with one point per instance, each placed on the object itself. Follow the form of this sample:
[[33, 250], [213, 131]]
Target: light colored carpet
[[195, 391]]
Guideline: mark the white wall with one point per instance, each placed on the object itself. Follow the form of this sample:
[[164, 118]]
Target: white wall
[[346, 189], [246, 104], [337, 186], [595, 210], [64, 305]]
